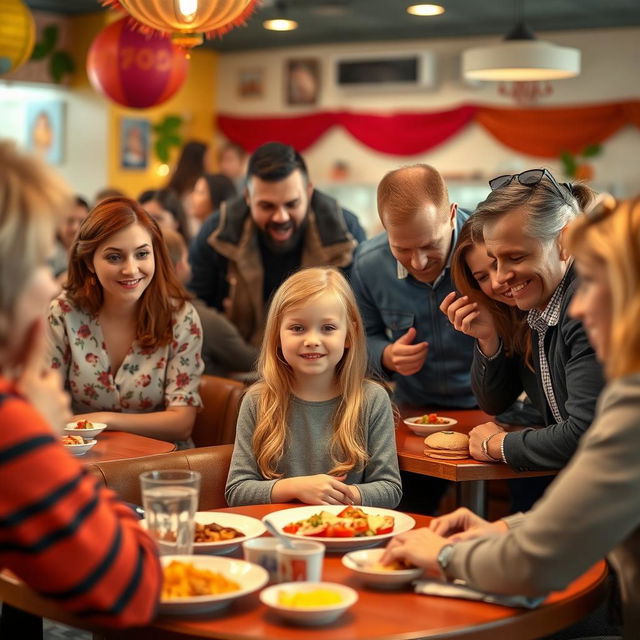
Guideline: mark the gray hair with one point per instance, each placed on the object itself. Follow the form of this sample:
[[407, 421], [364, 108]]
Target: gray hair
[[549, 209]]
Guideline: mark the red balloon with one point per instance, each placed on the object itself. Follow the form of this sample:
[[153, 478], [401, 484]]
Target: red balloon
[[133, 69]]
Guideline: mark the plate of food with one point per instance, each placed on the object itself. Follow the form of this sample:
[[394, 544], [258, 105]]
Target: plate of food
[[201, 584], [217, 532], [366, 564], [341, 528], [429, 423], [77, 445], [309, 603], [85, 428]]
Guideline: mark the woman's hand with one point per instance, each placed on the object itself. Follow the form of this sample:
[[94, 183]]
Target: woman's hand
[[463, 524], [494, 446], [38, 383], [95, 416], [318, 489], [470, 318], [419, 547]]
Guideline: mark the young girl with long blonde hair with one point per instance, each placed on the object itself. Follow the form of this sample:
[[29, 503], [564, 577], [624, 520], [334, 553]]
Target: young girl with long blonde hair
[[313, 428]]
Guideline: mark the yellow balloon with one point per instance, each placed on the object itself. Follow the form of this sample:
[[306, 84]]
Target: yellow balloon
[[17, 34]]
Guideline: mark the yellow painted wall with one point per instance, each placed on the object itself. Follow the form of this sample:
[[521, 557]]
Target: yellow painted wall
[[195, 102]]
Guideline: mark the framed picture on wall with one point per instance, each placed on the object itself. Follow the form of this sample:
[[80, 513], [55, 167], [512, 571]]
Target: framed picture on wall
[[46, 130], [135, 136], [302, 81], [251, 83]]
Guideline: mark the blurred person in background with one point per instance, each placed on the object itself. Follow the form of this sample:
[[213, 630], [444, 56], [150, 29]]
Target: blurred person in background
[[126, 339], [209, 192], [65, 234], [192, 163], [63, 534], [223, 349], [166, 209], [232, 162]]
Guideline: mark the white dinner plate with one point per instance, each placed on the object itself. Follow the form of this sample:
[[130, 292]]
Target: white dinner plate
[[402, 523], [425, 429], [249, 576], [251, 527]]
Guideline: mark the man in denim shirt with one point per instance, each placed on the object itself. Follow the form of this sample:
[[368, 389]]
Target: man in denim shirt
[[400, 278]]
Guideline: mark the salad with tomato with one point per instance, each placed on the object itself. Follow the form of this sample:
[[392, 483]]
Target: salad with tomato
[[351, 522]]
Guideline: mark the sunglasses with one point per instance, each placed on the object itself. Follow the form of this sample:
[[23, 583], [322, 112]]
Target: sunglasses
[[601, 207], [530, 178]]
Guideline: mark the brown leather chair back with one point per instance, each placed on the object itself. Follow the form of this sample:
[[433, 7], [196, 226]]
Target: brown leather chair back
[[123, 476], [216, 421]]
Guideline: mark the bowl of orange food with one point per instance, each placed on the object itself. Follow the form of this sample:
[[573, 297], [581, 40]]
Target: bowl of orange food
[[77, 445], [366, 565], [309, 603], [429, 423], [201, 584], [85, 428]]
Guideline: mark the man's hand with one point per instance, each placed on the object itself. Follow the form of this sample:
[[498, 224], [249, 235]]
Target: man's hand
[[419, 547], [463, 524], [403, 356], [480, 433]]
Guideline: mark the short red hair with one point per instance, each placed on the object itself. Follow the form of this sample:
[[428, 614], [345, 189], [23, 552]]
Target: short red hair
[[159, 301]]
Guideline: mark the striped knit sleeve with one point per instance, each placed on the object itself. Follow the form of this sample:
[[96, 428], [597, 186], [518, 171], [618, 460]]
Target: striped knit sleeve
[[65, 535]]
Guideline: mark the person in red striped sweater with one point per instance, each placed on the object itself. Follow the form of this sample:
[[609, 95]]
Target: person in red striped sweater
[[61, 532]]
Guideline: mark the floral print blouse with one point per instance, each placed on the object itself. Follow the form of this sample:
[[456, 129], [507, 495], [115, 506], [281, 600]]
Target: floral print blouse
[[148, 380]]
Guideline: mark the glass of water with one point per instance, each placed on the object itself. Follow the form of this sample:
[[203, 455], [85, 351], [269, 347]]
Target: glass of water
[[170, 499]]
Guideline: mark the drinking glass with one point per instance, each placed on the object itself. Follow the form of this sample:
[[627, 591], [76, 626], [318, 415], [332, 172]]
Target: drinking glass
[[170, 499]]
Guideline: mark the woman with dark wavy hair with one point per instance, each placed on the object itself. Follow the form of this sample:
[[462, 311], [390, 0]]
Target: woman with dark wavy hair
[[126, 339]]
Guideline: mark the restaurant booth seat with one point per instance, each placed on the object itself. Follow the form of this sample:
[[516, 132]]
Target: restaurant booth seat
[[123, 476], [216, 420]]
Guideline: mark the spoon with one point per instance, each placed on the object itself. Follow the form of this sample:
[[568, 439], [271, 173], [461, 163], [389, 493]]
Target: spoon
[[274, 532]]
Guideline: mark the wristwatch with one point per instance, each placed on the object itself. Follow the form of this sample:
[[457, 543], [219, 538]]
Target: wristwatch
[[444, 557]]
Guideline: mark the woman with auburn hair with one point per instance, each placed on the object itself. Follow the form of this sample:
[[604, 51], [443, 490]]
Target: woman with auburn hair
[[313, 428], [126, 339], [63, 534], [593, 507]]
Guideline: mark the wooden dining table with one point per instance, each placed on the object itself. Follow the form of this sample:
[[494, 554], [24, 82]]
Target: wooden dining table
[[120, 445], [377, 615], [469, 475]]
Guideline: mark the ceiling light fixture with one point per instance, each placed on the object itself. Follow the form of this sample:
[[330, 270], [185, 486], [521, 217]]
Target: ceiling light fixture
[[521, 58], [425, 10], [281, 23]]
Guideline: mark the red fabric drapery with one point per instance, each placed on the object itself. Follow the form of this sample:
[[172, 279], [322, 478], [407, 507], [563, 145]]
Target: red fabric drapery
[[543, 132], [396, 134]]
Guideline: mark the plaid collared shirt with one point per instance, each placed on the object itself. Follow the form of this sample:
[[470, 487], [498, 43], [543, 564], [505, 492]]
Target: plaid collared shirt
[[540, 321]]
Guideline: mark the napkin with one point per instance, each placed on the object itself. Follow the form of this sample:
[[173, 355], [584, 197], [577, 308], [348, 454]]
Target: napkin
[[460, 590]]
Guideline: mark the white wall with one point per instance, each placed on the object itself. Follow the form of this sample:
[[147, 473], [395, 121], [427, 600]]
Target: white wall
[[610, 63], [84, 164]]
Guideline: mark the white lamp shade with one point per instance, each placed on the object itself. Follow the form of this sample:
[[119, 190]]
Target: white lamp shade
[[521, 61]]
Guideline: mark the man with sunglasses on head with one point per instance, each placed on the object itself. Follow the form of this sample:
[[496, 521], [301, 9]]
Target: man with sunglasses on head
[[522, 222]]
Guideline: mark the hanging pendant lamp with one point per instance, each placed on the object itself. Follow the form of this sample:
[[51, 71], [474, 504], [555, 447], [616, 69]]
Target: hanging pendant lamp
[[188, 22], [521, 57]]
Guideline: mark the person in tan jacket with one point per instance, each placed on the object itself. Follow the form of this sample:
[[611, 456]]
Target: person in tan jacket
[[593, 507]]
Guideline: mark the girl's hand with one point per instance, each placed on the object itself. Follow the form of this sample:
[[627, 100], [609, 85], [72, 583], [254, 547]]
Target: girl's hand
[[463, 524], [469, 318], [321, 489], [419, 547], [38, 383]]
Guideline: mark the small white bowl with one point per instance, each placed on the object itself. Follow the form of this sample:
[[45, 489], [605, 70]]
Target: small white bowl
[[98, 427], [80, 449], [425, 429], [361, 563], [309, 616]]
